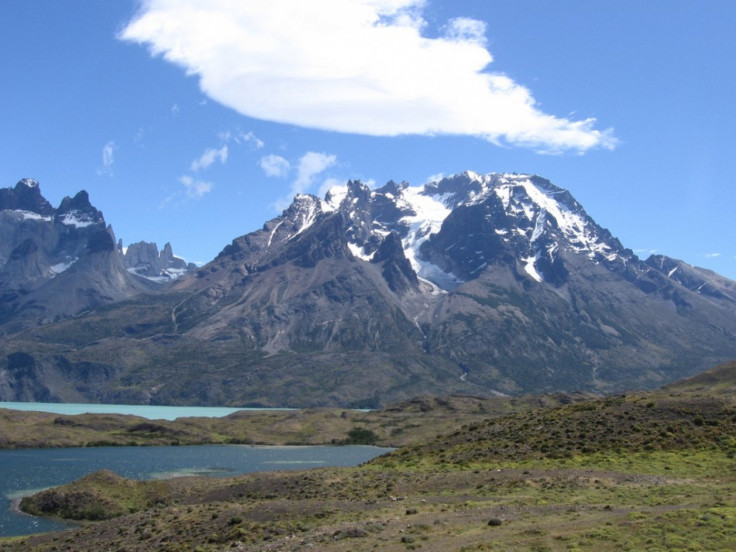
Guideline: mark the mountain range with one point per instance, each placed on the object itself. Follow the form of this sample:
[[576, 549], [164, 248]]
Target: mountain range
[[57, 262], [477, 284]]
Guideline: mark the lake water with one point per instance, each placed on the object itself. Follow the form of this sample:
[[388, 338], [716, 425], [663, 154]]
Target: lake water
[[22, 472], [142, 410]]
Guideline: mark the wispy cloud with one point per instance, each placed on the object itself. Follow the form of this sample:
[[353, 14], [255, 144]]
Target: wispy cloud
[[241, 138], [330, 183], [309, 167], [194, 188], [108, 158], [712, 255], [642, 252], [466, 29], [275, 166], [209, 156], [249, 138], [356, 66]]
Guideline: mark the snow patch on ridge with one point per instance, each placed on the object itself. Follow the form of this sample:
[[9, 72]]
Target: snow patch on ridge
[[579, 232], [309, 208], [539, 226], [334, 197], [55, 270], [429, 212], [359, 252], [531, 269], [30, 182], [30, 215], [76, 219], [270, 238]]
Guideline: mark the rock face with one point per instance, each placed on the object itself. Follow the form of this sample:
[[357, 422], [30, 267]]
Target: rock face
[[144, 259], [481, 284], [55, 263]]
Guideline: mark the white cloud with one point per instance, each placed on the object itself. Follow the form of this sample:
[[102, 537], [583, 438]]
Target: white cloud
[[357, 66], [240, 138], [275, 166], [195, 189], [310, 165], [308, 168], [209, 156], [466, 29], [712, 255], [249, 138], [108, 154], [108, 158], [328, 184]]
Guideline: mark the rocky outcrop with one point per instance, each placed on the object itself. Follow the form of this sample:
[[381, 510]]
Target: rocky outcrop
[[144, 259], [55, 263]]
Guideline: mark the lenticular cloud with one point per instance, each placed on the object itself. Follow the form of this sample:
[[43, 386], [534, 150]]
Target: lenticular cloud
[[356, 66]]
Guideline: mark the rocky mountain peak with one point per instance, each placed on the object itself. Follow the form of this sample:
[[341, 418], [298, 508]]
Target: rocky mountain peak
[[77, 211], [25, 196], [699, 280], [28, 182], [144, 259], [55, 262], [391, 188], [498, 217], [303, 212], [453, 228]]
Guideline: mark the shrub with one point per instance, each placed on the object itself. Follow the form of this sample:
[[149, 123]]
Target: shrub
[[361, 436], [495, 522]]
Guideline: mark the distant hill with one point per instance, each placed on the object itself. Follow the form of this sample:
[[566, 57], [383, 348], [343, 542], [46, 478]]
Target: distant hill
[[715, 382], [694, 414]]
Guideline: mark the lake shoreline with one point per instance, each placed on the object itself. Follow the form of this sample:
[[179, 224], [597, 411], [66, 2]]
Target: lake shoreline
[[393, 426], [30, 472]]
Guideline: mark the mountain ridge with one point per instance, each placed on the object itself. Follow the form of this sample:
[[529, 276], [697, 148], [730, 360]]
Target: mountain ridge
[[486, 284]]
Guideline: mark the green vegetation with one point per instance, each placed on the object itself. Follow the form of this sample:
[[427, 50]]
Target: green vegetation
[[653, 472], [361, 436], [98, 496]]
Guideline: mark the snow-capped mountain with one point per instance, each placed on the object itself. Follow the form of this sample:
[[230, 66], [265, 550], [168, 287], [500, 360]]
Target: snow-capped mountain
[[57, 262], [498, 283], [452, 229]]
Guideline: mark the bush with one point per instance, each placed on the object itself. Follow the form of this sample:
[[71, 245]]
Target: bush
[[361, 436], [495, 522]]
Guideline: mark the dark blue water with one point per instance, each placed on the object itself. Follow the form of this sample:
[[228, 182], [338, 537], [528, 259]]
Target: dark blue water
[[23, 472]]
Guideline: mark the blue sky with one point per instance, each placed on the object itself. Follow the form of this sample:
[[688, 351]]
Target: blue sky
[[195, 121]]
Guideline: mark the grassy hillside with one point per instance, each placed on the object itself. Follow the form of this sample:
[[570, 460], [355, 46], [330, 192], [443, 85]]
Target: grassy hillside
[[408, 422], [651, 471]]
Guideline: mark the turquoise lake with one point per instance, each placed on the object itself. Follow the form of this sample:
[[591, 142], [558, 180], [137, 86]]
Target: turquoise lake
[[142, 410]]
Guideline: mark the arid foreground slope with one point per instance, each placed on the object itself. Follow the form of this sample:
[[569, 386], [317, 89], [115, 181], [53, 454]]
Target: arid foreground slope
[[653, 471]]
